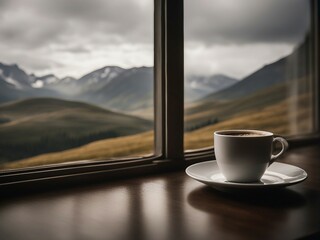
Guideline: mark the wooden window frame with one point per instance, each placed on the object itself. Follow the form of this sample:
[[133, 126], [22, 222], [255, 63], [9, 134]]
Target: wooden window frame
[[169, 152], [299, 140], [168, 111]]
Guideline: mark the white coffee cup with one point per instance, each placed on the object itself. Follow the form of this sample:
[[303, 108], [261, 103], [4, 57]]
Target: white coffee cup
[[244, 155]]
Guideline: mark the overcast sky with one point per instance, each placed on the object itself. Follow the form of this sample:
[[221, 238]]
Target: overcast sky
[[74, 37]]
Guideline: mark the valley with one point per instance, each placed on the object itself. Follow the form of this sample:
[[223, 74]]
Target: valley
[[38, 125], [273, 118]]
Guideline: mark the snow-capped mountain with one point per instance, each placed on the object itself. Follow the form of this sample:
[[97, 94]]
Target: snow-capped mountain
[[103, 75], [17, 78], [131, 89], [16, 84], [110, 87], [72, 87], [14, 77], [40, 82], [49, 79]]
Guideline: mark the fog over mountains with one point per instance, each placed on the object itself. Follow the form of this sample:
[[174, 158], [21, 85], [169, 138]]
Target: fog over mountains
[[109, 87]]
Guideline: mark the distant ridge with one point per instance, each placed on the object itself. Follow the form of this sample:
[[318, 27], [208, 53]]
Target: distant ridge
[[265, 77], [113, 87], [294, 66]]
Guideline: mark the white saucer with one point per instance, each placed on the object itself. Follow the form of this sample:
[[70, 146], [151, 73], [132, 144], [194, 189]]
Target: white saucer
[[277, 175]]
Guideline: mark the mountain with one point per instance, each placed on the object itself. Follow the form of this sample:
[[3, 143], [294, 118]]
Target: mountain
[[110, 87], [9, 92], [39, 125], [12, 81], [16, 84], [197, 87], [76, 88], [294, 66], [48, 79], [265, 77], [285, 79], [130, 90], [14, 76], [40, 82], [103, 75]]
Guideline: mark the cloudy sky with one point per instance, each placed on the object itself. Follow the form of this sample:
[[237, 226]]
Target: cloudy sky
[[74, 37], [236, 37]]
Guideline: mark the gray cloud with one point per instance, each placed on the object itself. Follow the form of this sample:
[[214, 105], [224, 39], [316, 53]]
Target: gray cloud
[[37, 61], [28, 35], [246, 21], [128, 19], [3, 3], [69, 36], [34, 23], [74, 49], [41, 34]]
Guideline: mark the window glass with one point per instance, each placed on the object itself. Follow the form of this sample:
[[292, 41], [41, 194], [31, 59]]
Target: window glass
[[248, 65], [76, 80]]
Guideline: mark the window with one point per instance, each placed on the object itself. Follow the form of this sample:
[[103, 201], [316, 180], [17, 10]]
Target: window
[[166, 148], [76, 81], [248, 65]]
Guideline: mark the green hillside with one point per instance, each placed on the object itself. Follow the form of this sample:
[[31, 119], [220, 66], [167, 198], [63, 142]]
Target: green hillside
[[291, 116], [207, 112], [273, 118], [39, 125]]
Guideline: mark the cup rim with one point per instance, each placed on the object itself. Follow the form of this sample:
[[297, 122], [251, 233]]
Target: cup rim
[[260, 133]]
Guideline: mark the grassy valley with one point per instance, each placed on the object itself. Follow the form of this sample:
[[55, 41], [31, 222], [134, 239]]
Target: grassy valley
[[34, 126], [49, 131], [277, 118], [274, 117]]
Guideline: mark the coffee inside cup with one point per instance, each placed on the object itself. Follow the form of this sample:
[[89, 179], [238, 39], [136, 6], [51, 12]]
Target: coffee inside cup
[[243, 134]]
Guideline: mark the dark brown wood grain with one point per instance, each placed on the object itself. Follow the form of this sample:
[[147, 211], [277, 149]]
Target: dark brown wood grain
[[169, 206]]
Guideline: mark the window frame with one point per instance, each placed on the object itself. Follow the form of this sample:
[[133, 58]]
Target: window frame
[[296, 140], [168, 140], [169, 151]]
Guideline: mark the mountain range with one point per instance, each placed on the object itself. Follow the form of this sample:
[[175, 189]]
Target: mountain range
[[110, 87], [285, 70], [17, 84]]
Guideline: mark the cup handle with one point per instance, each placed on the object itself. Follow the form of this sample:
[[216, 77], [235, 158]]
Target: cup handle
[[284, 145]]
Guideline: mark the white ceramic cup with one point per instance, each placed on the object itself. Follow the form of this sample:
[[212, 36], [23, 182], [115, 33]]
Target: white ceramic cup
[[244, 155]]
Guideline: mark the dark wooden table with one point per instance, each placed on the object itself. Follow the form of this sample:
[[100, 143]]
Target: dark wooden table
[[169, 206]]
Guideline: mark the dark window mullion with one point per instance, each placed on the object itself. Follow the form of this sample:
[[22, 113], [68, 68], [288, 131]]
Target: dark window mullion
[[174, 66], [315, 7], [169, 79]]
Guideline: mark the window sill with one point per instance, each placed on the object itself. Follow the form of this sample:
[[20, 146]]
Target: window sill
[[72, 174], [181, 205]]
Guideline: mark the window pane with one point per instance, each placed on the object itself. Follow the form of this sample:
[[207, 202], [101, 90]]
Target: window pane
[[76, 80], [248, 65]]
